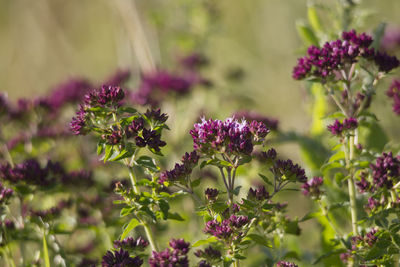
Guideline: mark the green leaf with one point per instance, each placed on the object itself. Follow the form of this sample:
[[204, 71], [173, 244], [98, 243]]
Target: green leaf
[[337, 156], [309, 216], [313, 18], [211, 239], [126, 211], [45, 252], [245, 159], [306, 34], [236, 191], [265, 179], [331, 253], [100, 148], [164, 207], [127, 109], [132, 225], [175, 216], [219, 207], [109, 152], [374, 253], [122, 155], [261, 240], [147, 162]]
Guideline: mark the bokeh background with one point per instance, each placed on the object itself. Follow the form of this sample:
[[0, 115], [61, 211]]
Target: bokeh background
[[45, 42]]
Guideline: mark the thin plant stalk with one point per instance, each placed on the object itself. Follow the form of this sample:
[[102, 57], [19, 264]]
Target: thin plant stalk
[[136, 189]]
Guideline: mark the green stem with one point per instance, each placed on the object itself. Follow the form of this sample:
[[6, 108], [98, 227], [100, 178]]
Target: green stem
[[150, 236], [136, 189], [352, 190]]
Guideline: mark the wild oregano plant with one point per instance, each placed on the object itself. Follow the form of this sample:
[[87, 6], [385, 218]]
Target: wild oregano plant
[[349, 69], [233, 223]]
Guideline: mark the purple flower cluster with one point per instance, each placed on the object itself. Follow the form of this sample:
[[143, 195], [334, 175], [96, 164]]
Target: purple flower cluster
[[181, 171], [229, 136], [326, 61], [394, 92], [30, 172], [225, 229], [53, 212], [104, 97], [130, 243], [363, 185], [120, 258], [5, 194], [288, 170], [211, 194], [369, 239], [210, 255], [113, 137], [176, 256], [270, 155], [150, 138], [386, 170], [107, 96], [250, 116], [337, 128], [312, 187], [78, 124], [194, 61], [155, 86], [285, 264], [70, 91], [155, 115], [9, 224], [258, 194]]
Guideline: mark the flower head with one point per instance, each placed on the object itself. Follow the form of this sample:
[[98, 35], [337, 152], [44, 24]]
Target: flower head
[[312, 187], [394, 92], [324, 62], [130, 243], [211, 194], [176, 256], [386, 170], [259, 194], [286, 264], [181, 171], [229, 136], [120, 258]]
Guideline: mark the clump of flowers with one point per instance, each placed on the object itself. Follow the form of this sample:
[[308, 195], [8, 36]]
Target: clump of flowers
[[174, 256], [286, 264], [119, 258], [225, 229], [326, 62], [130, 243], [338, 128], [181, 172], [210, 255], [311, 188], [394, 93], [386, 170], [5, 194], [212, 137]]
